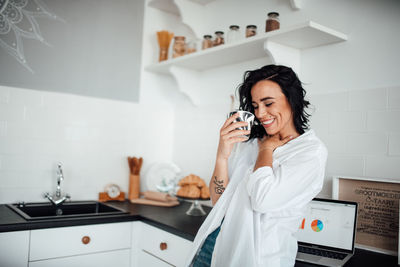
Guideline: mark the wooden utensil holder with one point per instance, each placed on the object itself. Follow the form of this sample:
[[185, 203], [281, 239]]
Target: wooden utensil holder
[[134, 186]]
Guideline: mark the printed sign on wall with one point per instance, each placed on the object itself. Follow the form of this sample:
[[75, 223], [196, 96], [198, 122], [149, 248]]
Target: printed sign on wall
[[378, 214]]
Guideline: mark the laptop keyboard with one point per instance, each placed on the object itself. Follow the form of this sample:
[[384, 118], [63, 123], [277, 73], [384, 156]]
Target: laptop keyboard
[[323, 253]]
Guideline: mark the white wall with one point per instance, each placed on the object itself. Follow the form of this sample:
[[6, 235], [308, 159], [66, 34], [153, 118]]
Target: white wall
[[354, 86], [92, 138], [360, 129]]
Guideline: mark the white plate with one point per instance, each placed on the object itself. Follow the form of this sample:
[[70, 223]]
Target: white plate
[[162, 177]]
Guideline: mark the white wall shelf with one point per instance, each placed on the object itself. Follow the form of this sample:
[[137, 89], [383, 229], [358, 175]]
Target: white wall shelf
[[298, 37], [282, 46]]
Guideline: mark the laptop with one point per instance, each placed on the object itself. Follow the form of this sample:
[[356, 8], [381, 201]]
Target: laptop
[[327, 232]]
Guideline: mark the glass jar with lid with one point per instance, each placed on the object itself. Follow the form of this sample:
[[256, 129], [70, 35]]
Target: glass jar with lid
[[191, 46], [233, 34], [219, 38], [179, 47], [207, 42], [251, 30], [272, 22]]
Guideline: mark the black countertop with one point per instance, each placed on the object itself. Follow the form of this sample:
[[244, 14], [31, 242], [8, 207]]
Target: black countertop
[[170, 219]]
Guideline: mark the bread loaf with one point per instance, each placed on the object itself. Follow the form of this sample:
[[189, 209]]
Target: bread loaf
[[192, 179], [205, 192], [190, 191], [192, 186]]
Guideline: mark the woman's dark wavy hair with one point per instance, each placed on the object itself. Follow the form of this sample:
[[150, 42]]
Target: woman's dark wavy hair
[[291, 87]]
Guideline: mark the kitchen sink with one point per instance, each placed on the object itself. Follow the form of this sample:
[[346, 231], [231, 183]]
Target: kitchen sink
[[73, 209]]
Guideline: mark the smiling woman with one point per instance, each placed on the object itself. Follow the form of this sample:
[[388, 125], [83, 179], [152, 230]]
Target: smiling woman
[[260, 192], [283, 84]]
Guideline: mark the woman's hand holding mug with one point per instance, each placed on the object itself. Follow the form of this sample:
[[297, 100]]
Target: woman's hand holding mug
[[232, 132]]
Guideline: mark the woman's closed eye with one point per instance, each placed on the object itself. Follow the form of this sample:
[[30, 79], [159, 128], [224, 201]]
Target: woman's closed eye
[[266, 104]]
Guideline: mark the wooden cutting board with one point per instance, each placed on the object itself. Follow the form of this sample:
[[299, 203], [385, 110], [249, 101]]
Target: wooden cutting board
[[154, 202]]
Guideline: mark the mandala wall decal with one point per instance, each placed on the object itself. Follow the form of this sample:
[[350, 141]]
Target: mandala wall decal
[[18, 20]]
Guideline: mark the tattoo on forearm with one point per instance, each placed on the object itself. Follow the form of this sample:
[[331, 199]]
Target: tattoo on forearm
[[219, 185]]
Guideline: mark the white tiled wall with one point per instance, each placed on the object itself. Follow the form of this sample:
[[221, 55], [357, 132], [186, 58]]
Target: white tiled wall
[[91, 137], [196, 138], [394, 144], [361, 129]]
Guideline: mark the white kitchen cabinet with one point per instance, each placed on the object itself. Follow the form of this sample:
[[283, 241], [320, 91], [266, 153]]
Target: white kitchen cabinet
[[156, 247], [90, 245], [14, 249], [147, 259], [128, 244]]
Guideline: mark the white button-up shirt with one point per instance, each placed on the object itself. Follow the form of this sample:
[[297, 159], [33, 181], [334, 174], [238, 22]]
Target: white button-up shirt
[[263, 209]]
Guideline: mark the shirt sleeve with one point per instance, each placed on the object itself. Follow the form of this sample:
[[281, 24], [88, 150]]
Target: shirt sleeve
[[233, 159], [294, 182]]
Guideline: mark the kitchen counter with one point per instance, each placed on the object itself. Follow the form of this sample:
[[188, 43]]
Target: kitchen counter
[[170, 219]]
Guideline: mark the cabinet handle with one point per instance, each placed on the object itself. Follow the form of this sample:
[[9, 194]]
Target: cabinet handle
[[85, 240], [163, 246]]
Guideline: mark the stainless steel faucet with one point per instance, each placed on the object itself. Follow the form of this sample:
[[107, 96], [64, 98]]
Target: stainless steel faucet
[[60, 177], [58, 198]]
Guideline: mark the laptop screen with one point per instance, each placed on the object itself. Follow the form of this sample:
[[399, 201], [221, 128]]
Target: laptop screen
[[329, 223]]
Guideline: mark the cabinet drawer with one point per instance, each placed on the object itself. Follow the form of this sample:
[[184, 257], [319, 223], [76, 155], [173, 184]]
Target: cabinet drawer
[[14, 249], [118, 258], [147, 259], [77, 240], [166, 246]]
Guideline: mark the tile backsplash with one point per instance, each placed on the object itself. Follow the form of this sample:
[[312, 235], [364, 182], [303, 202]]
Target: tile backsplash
[[91, 137], [361, 130]]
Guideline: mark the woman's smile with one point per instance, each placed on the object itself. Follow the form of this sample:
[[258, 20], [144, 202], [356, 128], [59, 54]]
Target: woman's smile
[[267, 123]]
